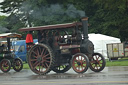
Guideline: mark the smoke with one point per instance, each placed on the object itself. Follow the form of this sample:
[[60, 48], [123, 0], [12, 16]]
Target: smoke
[[54, 13], [57, 9], [73, 12]]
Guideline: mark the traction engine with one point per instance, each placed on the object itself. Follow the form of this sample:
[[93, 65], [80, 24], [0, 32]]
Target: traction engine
[[63, 46]]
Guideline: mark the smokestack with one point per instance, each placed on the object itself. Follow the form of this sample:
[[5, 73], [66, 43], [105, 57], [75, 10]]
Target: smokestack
[[85, 27]]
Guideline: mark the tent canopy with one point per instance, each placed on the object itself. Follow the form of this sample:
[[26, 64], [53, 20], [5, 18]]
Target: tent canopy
[[11, 35], [100, 41], [102, 37]]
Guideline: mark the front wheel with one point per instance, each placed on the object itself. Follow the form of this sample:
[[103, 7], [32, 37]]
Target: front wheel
[[80, 63], [5, 65], [97, 62], [17, 65]]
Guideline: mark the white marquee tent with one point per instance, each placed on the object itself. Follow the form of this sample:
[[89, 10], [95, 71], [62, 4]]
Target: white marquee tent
[[100, 41]]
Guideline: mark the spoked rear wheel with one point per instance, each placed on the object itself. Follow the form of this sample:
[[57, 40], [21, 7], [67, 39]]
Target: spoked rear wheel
[[5, 65], [80, 63], [97, 62], [17, 65], [40, 59]]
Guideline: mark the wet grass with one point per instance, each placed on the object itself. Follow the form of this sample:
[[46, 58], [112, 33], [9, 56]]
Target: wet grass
[[120, 62], [26, 66]]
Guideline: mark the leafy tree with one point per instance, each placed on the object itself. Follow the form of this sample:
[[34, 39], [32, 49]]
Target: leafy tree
[[105, 16], [3, 24], [110, 17], [41, 12], [3, 21], [14, 23]]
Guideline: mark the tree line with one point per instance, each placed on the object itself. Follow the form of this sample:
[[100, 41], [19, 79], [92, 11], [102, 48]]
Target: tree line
[[109, 17]]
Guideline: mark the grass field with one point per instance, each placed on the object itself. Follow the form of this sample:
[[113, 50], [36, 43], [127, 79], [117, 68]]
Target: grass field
[[26, 66], [120, 62]]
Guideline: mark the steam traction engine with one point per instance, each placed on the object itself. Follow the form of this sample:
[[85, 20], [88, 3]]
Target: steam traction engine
[[63, 46]]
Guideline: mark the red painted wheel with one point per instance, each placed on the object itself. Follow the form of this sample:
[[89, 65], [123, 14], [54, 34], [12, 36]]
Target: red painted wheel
[[80, 63], [5, 65], [97, 62], [17, 65], [40, 59]]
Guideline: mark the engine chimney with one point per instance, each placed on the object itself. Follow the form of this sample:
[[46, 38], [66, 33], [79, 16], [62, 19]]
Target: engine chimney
[[85, 27], [87, 46]]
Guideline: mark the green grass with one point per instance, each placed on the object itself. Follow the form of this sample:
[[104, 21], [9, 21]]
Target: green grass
[[26, 66], [120, 62]]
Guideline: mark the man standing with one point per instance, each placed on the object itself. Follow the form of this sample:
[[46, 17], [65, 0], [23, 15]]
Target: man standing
[[29, 38]]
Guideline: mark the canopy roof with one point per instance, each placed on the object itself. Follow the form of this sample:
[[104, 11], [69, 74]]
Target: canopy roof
[[56, 26], [11, 35]]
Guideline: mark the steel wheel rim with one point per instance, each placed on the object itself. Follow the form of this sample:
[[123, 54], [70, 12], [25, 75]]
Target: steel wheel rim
[[96, 62], [5, 66], [79, 63], [40, 59], [17, 64]]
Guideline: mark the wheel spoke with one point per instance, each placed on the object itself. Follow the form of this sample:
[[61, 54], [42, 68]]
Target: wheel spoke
[[84, 63], [42, 51], [47, 61], [34, 56], [39, 66], [47, 58], [96, 66], [34, 52], [46, 55], [43, 66], [77, 66], [35, 64], [37, 51], [97, 57], [46, 65], [33, 59]]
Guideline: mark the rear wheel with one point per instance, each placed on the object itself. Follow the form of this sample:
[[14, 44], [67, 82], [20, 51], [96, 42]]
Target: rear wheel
[[61, 68], [80, 63], [97, 62], [40, 59], [5, 65], [17, 65]]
